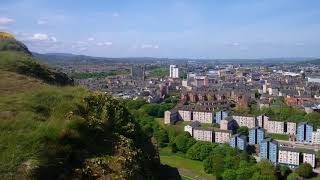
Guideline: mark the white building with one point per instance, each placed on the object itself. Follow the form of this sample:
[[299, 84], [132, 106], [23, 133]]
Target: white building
[[291, 128], [203, 116], [275, 127], [248, 121], [174, 71], [316, 137], [201, 134], [288, 156], [309, 157], [222, 136], [185, 115]]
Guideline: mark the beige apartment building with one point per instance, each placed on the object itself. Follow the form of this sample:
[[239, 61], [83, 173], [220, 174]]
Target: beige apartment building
[[185, 115], [201, 134], [275, 127], [222, 136], [248, 121]]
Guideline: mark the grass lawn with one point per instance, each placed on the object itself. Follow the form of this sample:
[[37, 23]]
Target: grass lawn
[[177, 160], [278, 136]]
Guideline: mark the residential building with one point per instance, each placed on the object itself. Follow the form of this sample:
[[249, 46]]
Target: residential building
[[171, 116], [290, 128], [304, 132], [262, 121], [289, 157], [269, 150], [239, 141], [222, 136], [203, 116], [220, 115], [309, 156], [275, 127], [189, 128], [316, 137], [201, 134], [185, 115], [228, 123], [256, 135], [248, 121], [174, 71]]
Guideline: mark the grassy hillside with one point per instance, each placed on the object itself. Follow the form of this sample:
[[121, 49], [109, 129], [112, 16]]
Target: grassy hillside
[[65, 132]]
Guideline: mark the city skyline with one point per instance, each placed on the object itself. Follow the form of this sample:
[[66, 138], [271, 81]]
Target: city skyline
[[174, 29]]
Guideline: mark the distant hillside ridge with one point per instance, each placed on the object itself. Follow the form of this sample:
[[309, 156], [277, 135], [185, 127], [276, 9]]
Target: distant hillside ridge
[[16, 57]]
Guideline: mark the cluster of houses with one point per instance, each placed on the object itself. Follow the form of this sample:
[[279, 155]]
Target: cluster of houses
[[259, 126]]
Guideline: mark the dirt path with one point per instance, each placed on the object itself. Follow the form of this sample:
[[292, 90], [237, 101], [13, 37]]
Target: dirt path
[[189, 174]]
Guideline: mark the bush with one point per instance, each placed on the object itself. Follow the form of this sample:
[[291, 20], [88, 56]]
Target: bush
[[200, 150], [184, 141], [305, 170]]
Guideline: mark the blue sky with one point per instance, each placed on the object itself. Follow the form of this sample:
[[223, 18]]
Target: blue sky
[[167, 28]]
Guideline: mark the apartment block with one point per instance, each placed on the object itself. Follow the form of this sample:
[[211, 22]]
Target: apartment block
[[269, 150], [262, 121], [275, 127], [222, 136], [289, 157], [185, 115], [201, 134], [189, 128], [291, 128], [248, 121], [304, 132], [256, 135], [220, 115], [309, 156], [239, 141], [316, 137], [170, 117], [203, 117], [228, 123]]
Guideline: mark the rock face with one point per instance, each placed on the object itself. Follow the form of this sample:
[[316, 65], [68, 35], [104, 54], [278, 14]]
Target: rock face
[[9, 42]]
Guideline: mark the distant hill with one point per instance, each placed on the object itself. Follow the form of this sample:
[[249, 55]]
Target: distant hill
[[315, 61]]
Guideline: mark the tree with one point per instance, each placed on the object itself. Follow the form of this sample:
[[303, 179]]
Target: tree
[[229, 174], [284, 171], [293, 176], [200, 150], [162, 137], [184, 141], [304, 170], [266, 168], [214, 164], [243, 130], [174, 148]]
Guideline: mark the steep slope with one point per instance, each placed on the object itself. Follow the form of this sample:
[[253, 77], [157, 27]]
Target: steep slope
[[15, 57], [65, 132]]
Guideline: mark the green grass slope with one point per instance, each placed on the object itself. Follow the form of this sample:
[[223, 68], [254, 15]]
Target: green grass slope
[[65, 132]]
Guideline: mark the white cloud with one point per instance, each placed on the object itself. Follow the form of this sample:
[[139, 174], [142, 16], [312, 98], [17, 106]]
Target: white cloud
[[5, 21], [235, 44], [42, 22], [104, 43], [115, 14], [83, 49], [149, 46], [40, 37], [53, 39], [91, 39]]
